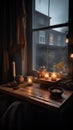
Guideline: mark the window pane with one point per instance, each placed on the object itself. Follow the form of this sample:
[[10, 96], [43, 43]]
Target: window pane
[[50, 50], [39, 4], [50, 12], [49, 45], [58, 11]]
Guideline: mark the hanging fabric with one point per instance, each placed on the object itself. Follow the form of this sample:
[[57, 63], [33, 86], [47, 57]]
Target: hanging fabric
[[20, 28]]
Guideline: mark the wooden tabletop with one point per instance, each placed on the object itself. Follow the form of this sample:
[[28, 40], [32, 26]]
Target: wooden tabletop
[[35, 94]]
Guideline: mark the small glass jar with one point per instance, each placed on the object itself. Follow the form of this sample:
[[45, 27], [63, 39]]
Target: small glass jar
[[42, 71], [20, 79]]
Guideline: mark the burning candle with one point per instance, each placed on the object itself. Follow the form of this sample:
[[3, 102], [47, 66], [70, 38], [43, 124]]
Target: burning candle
[[14, 69], [29, 80], [71, 56], [46, 76], [53, 77]]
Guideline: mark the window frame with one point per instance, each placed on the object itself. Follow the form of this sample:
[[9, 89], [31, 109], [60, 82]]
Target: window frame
[[50, 27], [30, 30]]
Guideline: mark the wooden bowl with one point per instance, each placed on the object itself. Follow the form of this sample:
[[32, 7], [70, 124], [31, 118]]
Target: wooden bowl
[[56, 91]]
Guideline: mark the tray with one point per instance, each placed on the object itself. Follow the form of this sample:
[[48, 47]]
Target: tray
[[46, 83]]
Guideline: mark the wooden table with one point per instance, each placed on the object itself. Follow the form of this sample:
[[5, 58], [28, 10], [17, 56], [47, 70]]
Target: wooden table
[[37, 95]]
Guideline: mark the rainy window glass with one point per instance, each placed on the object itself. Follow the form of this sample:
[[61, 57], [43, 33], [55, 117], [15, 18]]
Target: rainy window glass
[[49, 29]]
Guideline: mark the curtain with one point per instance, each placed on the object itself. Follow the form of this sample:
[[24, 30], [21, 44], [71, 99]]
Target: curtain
[[13, 35], [17, 27], [21, 37], [4, 59], [20, 42], [24, 59]]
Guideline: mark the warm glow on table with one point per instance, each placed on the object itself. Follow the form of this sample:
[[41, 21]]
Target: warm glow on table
[[53, 77]]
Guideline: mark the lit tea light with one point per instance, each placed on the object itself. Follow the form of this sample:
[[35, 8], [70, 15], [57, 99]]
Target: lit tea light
[[29, 80], [71, 56], [53, 77], [46, 76]]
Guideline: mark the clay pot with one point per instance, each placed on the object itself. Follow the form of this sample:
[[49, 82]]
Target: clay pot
[[20, 78]]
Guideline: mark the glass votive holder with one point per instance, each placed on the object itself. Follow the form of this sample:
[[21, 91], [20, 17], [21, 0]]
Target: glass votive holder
[[53, 76], [30, 80], [46, 76]]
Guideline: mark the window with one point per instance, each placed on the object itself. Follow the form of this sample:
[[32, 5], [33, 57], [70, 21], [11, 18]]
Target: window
[[41, 37], [49, 29]]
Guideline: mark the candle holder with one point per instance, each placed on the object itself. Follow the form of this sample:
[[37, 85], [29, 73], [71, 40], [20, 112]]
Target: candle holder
[[29, 81], [53, 77], [46, 77]]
